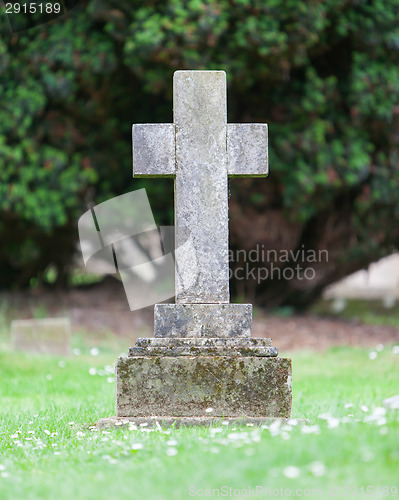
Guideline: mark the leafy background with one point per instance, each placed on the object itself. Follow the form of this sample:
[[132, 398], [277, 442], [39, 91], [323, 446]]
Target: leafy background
[[323, 74]]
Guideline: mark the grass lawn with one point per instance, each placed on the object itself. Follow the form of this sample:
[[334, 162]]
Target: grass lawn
[[48, 449]]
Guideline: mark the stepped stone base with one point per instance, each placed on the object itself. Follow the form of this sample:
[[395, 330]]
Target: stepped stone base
[[186, 386], [203, 347]]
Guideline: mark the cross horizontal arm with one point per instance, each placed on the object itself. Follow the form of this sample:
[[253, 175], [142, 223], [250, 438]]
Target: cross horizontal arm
[[247, 149], [154, 150]]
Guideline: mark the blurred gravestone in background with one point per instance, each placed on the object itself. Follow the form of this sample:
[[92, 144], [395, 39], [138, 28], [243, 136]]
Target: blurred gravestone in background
[[42, 336], [379, 281]]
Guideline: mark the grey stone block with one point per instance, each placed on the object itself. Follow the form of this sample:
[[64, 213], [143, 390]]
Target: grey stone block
[[247, 149], [42, 336], [203, 347], [154, 150], [202, 320], [203, 351], [188, 386], [227, 342]]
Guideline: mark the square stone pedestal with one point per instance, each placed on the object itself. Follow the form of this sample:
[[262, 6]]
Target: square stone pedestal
[[188, 386]]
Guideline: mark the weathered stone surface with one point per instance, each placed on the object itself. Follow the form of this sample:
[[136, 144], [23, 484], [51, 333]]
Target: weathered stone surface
[[203, 351], [167, 421], [188, 386], [203, 347], [227, 342], [202, 320], [154, 150], [42, 336], [247, 149], [200, 117]]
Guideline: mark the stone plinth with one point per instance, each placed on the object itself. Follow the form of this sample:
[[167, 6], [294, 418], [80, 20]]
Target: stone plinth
[[183, 386], [202, 320]]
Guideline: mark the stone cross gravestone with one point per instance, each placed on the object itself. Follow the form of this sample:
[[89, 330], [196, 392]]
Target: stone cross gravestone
[[203, 363]]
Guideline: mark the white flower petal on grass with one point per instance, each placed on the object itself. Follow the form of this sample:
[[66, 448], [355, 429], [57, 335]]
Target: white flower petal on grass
[[379, 347], [110, 380], [274, 428], [317, 468], [93, 371], [310, 429], [49, 377], [137, 446], [395, 349], [76, 352], [61, 364], [332, 423], [348, 405], [2, 467], [94, 351], [47, 432], [291, 472], [171, 452], [379, 411], [215, 430], [14, 436], [373, 355], [365, 408], [367, 456], [71, 423], [209, 410], [256, 438], [80, 434]]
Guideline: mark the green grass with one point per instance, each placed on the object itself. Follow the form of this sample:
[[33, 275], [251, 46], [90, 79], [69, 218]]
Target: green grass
[[49, 451]]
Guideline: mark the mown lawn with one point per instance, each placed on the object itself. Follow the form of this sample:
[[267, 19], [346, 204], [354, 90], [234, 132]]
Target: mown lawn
[[49, 449]]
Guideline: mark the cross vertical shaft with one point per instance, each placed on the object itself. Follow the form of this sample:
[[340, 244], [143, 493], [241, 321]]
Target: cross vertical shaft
[[201, 194]]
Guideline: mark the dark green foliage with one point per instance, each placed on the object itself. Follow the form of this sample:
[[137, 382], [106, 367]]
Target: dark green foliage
[[323, 74]]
